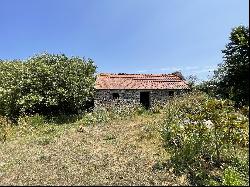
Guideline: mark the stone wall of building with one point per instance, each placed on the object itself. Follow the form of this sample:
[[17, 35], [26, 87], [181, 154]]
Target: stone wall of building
[[105, 97]]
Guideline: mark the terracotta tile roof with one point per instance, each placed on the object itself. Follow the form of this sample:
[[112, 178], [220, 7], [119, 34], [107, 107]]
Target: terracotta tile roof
[[140, 81]]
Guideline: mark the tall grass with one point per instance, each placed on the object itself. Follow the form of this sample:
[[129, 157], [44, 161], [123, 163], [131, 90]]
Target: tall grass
[[104, 114], [37, 123]]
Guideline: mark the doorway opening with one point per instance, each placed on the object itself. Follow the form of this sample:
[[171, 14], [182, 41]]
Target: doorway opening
[[115, 96], [144, 99]]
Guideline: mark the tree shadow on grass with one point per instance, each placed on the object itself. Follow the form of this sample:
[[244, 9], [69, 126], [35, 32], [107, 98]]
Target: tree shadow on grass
[[63, 118]]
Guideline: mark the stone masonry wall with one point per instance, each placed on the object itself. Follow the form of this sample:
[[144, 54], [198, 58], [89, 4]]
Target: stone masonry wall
[[105, 97]]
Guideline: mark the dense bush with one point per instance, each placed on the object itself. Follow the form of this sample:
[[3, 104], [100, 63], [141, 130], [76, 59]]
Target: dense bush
[[10, 78], [204, 134], [46, 84]]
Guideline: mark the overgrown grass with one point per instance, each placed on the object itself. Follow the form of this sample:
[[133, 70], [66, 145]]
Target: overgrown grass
[[112, 148], [36, 125], [205, 140]]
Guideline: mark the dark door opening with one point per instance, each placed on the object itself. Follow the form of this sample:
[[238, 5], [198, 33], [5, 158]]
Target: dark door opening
[[115, 96], [144, 99]]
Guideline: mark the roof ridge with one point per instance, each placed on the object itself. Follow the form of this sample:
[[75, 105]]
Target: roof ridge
[[143, 74]]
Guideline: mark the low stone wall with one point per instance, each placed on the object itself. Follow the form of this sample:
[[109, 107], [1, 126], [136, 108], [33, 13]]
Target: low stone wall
[[105, 97]]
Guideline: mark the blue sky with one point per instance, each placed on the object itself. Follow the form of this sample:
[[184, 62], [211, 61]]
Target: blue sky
[[132, 36]]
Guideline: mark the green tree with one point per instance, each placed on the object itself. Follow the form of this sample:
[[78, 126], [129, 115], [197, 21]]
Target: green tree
[[47, 84], [192, 81], [231, 78]]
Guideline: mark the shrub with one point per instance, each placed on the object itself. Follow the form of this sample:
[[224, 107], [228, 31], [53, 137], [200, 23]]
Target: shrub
[[46, 84], [103, 114], [201, 134], [232, 177]]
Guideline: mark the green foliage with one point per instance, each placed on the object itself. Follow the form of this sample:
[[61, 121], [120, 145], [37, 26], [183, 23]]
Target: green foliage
[[232, 177], [231, 78], [102, 115], [202, 133], [46, 84], [109, 137], [34, 120], [10, 78]]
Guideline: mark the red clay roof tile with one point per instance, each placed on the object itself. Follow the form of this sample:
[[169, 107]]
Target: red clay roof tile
[[140, 81]]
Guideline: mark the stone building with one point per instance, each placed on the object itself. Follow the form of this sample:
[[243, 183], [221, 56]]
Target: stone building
[[145, 89]]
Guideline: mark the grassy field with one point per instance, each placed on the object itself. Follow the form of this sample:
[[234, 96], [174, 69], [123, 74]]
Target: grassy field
[[120, 152], [189, 141]]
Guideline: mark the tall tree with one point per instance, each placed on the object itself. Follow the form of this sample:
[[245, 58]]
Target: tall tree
[[231, 78]]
